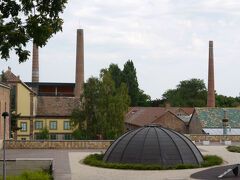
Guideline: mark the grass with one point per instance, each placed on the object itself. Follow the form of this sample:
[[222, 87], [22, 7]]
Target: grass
[[30, 175], [234, 149], [96, 160]]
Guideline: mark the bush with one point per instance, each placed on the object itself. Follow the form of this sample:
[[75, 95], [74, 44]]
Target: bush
[[96, 160], [44, 134], [234, 149], [211, 160], [30, 175]]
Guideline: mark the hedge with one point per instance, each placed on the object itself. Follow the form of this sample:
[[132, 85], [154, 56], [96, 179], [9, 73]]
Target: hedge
[[234, 149], [96, 160]]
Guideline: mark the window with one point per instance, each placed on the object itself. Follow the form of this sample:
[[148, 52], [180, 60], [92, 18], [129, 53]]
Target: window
[[37, 136], [39, 125], [23, 139], [53, 136], [67, 125], [67, 136], [13, 98], [23, 126], [53, 124]]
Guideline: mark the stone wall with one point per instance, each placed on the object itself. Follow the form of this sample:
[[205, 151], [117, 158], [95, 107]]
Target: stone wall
[[213, 138], [76, 144], [98, 144]]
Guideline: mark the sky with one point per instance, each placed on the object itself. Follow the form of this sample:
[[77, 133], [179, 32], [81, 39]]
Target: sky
[[166, 39]]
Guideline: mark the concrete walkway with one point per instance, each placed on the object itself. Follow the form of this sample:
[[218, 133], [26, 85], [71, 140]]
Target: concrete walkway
[[80, 171], [60, 157]]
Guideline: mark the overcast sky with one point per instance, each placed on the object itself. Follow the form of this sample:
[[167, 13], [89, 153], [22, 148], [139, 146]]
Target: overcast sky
[[166, 39]]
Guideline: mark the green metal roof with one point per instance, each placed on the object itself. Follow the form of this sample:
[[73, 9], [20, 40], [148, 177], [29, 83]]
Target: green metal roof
[[212, 117]]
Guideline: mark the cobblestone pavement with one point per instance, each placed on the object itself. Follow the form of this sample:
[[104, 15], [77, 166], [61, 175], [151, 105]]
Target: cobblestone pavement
[[61, 167]]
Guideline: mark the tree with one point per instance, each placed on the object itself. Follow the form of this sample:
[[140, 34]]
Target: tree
[[25, 20], [44, 134], [116, 74], [224, 101], [3, 77], [189, 93], [103, 108], [144, 100], [130, 78]]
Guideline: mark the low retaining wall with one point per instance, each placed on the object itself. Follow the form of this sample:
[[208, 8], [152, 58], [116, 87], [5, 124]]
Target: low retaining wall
[[99, 144], [76, 144], [213, 138]]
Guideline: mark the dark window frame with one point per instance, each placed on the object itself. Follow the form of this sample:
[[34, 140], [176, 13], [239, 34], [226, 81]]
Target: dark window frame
[[69, 135], [65, 126], [53, 135], [21, 126], [51, 127], [36, 125]]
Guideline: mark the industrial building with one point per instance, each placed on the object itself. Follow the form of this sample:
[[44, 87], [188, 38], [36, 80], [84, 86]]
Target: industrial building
[[49, 105]]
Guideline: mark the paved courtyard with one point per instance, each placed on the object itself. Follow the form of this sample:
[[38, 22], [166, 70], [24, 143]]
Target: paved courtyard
[[81, 171], [68, 166]]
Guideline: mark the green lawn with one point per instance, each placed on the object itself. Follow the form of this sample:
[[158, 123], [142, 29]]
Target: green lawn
[[31, 175]]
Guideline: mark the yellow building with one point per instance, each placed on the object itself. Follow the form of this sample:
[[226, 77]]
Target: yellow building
[[42, 105], [4, 107]]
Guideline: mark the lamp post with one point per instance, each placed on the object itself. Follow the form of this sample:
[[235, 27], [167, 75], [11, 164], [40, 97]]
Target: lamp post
[[225, 123], [5, 114]]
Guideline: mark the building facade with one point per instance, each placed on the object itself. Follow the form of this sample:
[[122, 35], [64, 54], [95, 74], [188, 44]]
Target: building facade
[[210, 120], [170, 117], [4, 107]]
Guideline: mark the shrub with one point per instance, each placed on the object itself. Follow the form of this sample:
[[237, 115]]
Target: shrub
[[211, 160], [96, 160], [30, 175], [234, 149]]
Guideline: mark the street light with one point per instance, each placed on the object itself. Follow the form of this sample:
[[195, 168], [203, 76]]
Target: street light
[[5, 114]]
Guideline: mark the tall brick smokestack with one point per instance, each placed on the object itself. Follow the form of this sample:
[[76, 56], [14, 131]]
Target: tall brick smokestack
[[211, 93], [79, 79], [35, 64]]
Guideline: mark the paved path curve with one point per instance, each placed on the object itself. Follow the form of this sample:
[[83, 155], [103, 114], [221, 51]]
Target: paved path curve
[[84, 172]]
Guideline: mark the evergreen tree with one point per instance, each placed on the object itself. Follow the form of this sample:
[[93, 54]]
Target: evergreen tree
[[129, 76], [116, 74]]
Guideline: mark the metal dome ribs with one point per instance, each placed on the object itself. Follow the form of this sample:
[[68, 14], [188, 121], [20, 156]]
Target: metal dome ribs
[[153, 144]]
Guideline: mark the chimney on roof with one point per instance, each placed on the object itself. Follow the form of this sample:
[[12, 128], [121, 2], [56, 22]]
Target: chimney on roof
[[9, 68], [79, 79], [35, 64], [211, 92]]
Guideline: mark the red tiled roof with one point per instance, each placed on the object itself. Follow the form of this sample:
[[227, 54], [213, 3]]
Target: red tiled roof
[[11, 77], [141, 116]]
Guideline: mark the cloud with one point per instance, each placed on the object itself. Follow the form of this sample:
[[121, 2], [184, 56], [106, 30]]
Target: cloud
[[166, 39]]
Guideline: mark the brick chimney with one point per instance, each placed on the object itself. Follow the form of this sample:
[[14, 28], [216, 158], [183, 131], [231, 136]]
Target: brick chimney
[[79, 79], [211, 93], [35, 64]]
